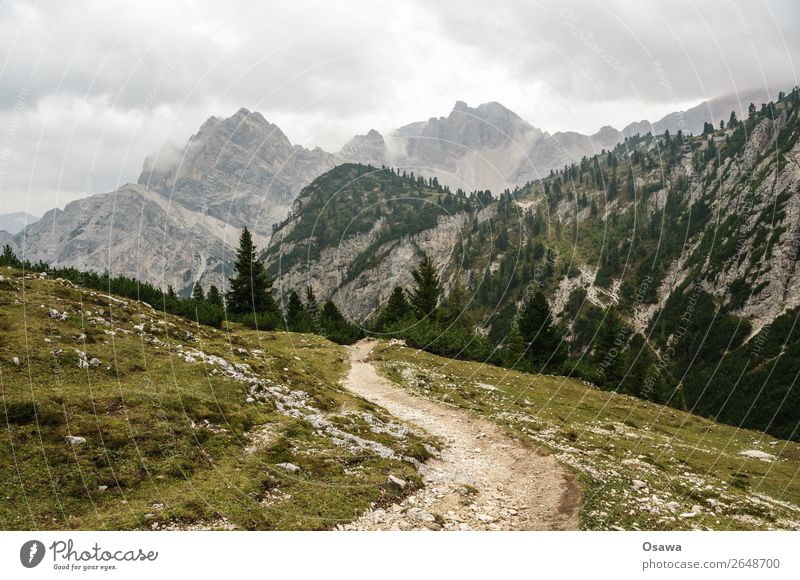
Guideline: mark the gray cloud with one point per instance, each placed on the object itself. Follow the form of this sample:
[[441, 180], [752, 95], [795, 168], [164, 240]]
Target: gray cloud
[[86, 93]]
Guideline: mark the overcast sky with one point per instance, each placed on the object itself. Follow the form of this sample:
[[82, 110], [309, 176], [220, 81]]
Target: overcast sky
[[88, 89]]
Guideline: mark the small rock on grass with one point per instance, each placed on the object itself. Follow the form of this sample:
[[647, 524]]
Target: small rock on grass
[[72, 440], [401, 483], [290, 467]]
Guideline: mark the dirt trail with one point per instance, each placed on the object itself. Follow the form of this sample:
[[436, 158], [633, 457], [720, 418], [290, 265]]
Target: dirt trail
[[483, 480]]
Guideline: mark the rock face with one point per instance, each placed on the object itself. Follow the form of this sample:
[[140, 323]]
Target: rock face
[[242, 170], [179, 223], [488, 147]]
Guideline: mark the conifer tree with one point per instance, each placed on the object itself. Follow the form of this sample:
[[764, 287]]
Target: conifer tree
[[427, 288], [8, 258], [311, 304], [397, 308], [453, 310], [214, 296], [609, 349], [197, 292], [250, 286], [514, 349], [294, 312], [536, 326]]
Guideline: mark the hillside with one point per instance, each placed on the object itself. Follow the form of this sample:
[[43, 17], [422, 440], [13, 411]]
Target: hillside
[[641, 465], [121, 417], [117, 416], [679, 248]]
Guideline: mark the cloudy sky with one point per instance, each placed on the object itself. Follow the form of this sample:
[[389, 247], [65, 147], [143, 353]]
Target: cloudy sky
[[88, 89]]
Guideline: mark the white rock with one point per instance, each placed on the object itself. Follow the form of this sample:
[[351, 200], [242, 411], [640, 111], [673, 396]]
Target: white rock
[[397, 481], [15, 360], [290, 467], [639, 485], [756, 454], [95, 362], [72, 440]]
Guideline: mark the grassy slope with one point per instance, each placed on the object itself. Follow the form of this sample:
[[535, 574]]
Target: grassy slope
[[174, 441], [612, 440]]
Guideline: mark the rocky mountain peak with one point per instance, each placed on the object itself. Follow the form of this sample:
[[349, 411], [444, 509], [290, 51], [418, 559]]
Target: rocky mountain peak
[[369, 149]]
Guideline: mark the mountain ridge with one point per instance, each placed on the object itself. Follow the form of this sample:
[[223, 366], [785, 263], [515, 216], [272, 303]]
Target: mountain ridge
[[243, 170]]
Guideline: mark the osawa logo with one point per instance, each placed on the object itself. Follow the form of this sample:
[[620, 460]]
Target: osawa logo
[[31, 553]]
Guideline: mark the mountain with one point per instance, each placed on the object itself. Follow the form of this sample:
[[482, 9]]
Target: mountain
[[712, 111], [491, 147], [15, 222], [691, 239], [179, 223], [472, 148]]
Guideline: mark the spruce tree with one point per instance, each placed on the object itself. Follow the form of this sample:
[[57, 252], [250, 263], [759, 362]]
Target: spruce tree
[[250, 286], [513, 355], [397, 308], [427, 288], [8, 258], [311, 304], [609, 349], [453, 310], [294, 311], [536, 326], [197, 292], [214, 296]]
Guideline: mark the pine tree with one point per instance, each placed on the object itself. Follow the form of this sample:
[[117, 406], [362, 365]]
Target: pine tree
[[250, 285], [294, 311], [311, 304], [536, 326], [214, 296], [197, 292], [8, 258], [454, 309], [609, 349], [733, 122], [425, 295], [397, 308], [171, 292], [513, 355]]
